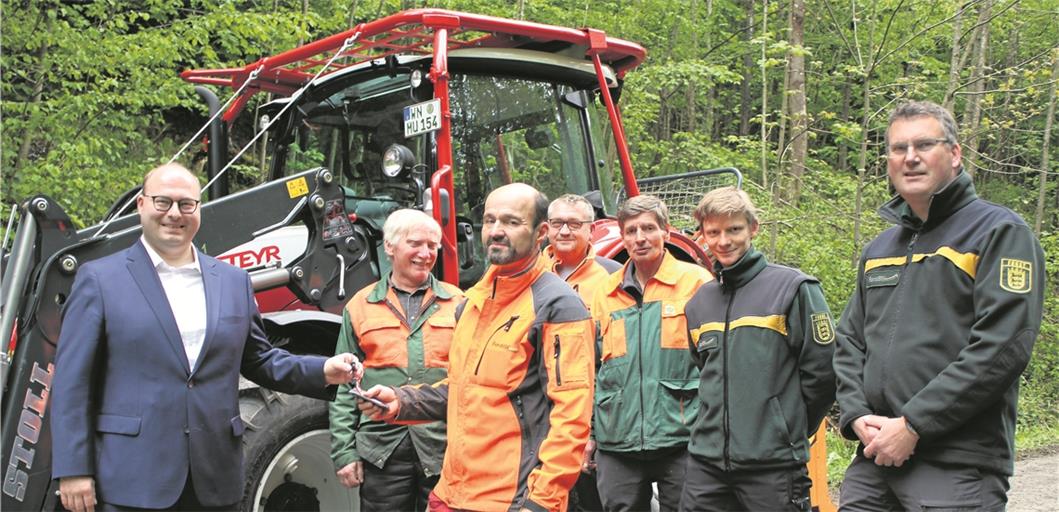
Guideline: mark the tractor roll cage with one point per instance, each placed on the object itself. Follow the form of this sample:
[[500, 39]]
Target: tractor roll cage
[[431, 32]]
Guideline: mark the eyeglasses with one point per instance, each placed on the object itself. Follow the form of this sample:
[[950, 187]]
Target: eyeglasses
[[920, 145], [163, 204], [574, 225]]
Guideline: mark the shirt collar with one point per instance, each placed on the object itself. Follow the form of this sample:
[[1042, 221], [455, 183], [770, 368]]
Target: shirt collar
[[159, 264]]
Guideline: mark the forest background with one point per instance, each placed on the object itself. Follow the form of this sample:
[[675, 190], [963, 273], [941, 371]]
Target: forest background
[[795, 93]]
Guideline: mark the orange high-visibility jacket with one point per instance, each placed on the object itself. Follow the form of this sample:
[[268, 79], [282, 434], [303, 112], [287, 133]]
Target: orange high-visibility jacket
[[518, 399], [589, 274]]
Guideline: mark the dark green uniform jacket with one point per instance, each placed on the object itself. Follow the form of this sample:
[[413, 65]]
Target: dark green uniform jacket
[[394, 353], [763, 338], [942, 323]]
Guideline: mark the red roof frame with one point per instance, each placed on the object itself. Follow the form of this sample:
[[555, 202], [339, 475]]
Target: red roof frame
[[407, 32]]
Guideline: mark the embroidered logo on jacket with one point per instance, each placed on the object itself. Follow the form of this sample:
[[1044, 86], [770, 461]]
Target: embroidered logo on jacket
[[1016, 276], [823, 331]]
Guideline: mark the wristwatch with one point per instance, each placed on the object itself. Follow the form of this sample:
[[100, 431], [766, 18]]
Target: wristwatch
[[911, 428]]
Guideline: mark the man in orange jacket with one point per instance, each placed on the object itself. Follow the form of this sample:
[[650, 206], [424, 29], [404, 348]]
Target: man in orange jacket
[[570, 255], [518, 399], [401, 327], [645, 395]]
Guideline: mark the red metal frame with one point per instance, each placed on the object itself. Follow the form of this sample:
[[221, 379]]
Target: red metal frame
[[425, 32]]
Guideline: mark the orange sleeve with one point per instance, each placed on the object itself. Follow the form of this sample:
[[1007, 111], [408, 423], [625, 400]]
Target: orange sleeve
[[568, 358]]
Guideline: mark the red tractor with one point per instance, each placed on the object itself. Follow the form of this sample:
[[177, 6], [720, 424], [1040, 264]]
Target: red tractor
[[429, 109]]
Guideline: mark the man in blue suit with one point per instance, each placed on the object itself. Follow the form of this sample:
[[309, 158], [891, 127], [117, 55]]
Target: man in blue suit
[[145, 410]]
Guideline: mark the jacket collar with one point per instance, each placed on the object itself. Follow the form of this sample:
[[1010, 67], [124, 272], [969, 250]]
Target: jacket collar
[[551, 261], [504, 289], [951, 198], [667, 274], [378, 293], [742, 272]]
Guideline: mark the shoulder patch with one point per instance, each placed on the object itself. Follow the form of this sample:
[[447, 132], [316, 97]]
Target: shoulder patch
[[1016, 276], [823, 330]]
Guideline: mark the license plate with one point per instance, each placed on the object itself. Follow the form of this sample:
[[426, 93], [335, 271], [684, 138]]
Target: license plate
[[422, 118]]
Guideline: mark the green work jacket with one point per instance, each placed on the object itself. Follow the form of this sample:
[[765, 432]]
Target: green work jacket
[[376, 330]]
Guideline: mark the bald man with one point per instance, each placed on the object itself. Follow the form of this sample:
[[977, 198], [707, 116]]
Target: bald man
[[145, 410], [518, 399]]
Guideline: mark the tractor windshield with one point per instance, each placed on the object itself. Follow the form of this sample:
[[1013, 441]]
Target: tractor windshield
[[504, 130]]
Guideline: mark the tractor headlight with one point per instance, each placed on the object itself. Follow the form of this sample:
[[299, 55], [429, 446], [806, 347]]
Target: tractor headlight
[[397, 160]]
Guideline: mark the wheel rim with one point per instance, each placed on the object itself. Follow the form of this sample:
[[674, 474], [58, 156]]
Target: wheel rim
[[306, 460]]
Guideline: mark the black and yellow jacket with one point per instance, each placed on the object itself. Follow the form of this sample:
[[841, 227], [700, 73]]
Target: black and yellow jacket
[[763, 337], [942, 323], [518, 399], [394, 353]]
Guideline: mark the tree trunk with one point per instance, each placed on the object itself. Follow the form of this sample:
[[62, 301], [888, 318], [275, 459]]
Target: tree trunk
[[862, 171], [711, 94], [843, 148], [689, 89], [799, 115], [973, 114], [954, 59], [764, 95], [1045, 146], [28, 132], [748, 72]]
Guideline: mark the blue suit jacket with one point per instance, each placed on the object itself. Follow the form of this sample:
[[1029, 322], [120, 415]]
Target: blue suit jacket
[[126, 407]]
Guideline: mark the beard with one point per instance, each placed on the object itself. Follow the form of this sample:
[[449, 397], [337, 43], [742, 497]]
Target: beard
[[502, 255]]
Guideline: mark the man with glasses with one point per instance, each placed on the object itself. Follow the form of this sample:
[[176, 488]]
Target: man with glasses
[[570, 255], [145, 411], [645, 390], [942, 323]]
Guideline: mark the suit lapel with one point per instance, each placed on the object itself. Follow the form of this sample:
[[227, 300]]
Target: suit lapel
[[146, 277], [214, 288]]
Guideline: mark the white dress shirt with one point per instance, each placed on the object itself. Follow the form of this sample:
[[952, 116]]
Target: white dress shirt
[[187, 298]]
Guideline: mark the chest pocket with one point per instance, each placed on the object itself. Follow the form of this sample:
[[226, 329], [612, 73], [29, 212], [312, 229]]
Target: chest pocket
[[501, 358], [384, 342], [882, 277], [674, 325], [437, 337]]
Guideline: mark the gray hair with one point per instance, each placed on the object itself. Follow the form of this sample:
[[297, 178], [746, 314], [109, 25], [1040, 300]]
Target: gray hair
[[401, 222], [575, 201], [913, 109], [644, 204]]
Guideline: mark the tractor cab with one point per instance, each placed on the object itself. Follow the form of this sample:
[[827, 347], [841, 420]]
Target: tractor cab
[[516, 116], [434, 109]]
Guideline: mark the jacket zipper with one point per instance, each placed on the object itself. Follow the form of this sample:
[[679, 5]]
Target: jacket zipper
[[558, 348], [506, 327], [724, 349], [899, 291], [639, 363]]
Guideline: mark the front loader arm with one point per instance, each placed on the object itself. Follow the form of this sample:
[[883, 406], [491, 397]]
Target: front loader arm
[[337, 255]]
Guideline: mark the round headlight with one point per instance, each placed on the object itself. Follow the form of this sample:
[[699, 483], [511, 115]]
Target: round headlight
[[396, 159], [415, 78]]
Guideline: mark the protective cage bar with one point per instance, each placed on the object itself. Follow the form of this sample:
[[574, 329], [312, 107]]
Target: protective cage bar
[[407, 32]]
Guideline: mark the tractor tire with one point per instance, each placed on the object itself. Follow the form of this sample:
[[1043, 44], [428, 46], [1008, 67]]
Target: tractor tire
[[286, 455]]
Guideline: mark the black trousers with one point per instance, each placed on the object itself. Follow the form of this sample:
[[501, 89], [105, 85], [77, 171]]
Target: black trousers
[[708, 488], [624, 480], [400, 485], [921, 485], [584, 497]]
